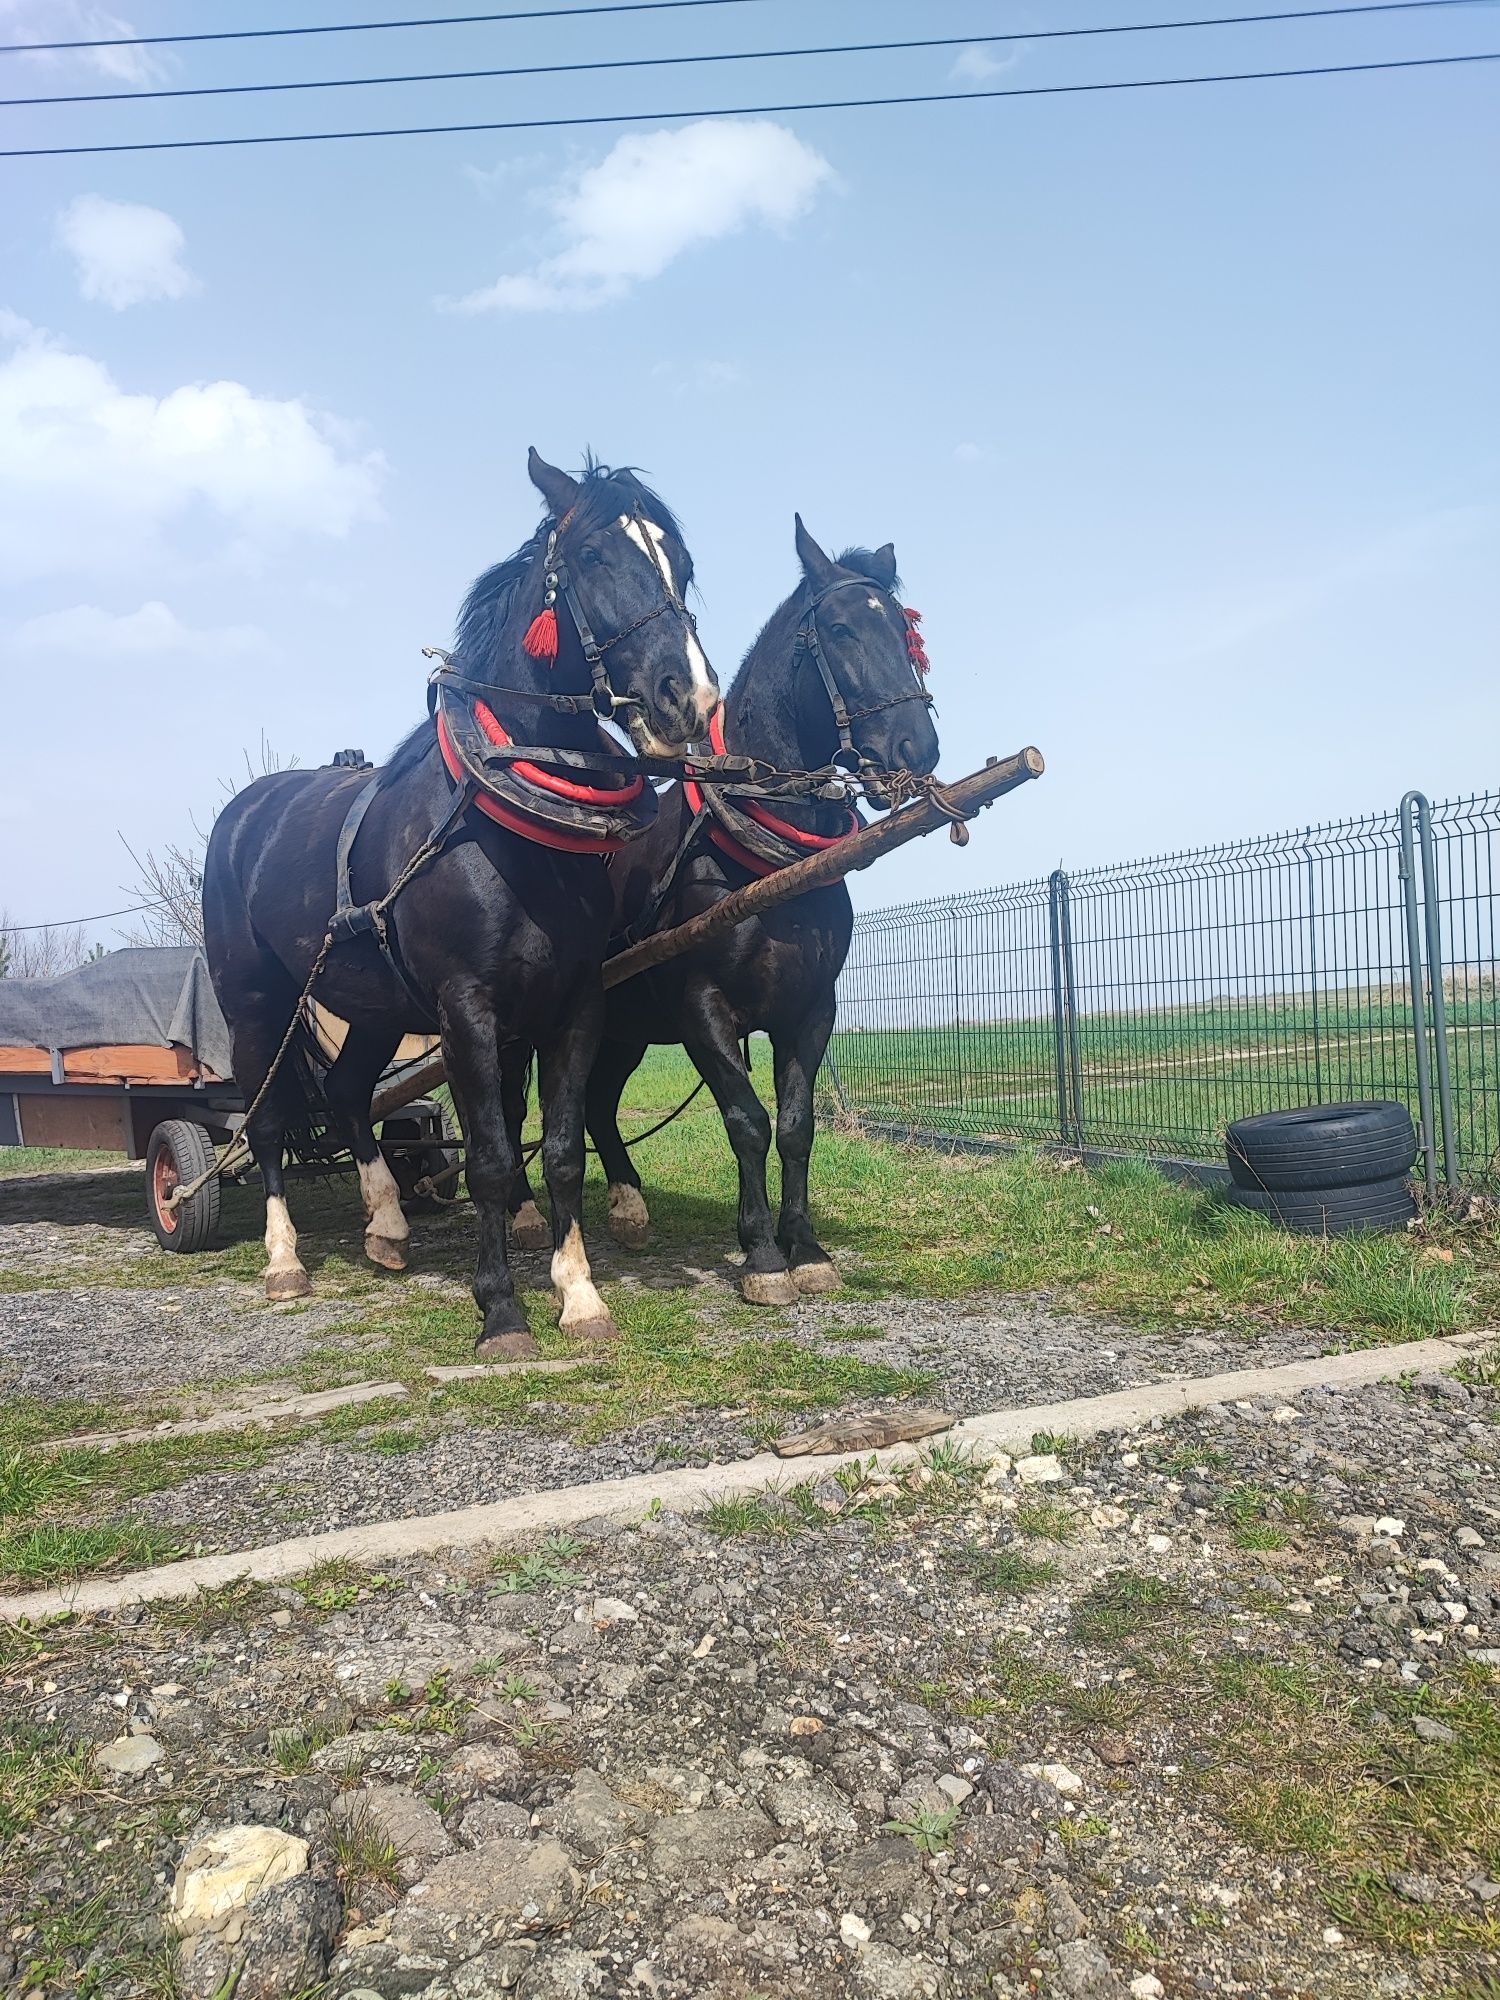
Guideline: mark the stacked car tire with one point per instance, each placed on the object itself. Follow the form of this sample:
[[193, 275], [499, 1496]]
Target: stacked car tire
[[1326, 1169]]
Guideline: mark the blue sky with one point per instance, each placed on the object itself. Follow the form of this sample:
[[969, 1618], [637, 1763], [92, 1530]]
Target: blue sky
[[1180, 407]]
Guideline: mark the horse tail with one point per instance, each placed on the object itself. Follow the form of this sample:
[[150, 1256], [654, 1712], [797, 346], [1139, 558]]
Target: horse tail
[[308, 1135]]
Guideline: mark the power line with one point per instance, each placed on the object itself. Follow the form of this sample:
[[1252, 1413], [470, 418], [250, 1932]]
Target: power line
[[749, 110], [74, 923], [364, 27], [734, 55]]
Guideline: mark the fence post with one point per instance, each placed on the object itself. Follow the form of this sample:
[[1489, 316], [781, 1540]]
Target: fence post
[[1417, 988], [1065, 1012], [1059, 1020], [1436, 999], [1312, 962]]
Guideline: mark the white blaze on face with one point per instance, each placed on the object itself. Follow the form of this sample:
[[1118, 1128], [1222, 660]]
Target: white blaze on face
[[652, 543], [875, 604]]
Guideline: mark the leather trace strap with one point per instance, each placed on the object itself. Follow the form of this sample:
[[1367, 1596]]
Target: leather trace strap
[[746, 829], [352, 920]]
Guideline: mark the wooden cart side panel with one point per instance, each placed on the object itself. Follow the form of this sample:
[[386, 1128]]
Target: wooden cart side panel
[[94, 1124], [110, 1062]]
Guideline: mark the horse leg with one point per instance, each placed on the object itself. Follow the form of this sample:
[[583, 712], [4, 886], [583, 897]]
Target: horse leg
[[562, 1076], [471, 1050], [529, 1228], [348, 1088], [710, 1038], [797, 1058], [629, 1218], [256, 1036]]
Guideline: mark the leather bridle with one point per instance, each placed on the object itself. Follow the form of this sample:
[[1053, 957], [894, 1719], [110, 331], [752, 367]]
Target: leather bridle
[[809, 642]]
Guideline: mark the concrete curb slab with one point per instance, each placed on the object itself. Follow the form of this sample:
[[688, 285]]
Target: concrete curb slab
[[280, 1410], [691, 1489], [302, 1409]]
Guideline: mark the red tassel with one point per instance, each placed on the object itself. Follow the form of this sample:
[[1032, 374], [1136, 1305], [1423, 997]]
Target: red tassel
[[913, 616], [541, 636]]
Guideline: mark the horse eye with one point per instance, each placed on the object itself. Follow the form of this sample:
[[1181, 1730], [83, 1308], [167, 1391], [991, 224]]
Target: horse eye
[[592, 557], [842, 632]]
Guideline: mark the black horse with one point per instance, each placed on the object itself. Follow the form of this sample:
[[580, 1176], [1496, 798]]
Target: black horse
[[498, 939], [837, 673]]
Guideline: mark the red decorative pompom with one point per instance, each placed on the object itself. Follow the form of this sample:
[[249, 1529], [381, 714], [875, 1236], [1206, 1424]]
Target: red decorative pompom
[[541, 635], [913, 616]]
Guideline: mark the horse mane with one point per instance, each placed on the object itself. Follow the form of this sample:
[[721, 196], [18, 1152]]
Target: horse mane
[[862, 562], [489, 605], [775, 633]]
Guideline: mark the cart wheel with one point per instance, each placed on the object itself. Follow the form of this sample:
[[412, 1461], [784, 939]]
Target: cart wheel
[[180, 1151]]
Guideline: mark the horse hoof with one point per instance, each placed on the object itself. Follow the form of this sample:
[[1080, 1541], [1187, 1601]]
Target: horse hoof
[[820, 1274], [385, 1251], [629, 1217], [507, 1347], [769, 1288], [530, 1229], [594, 1332], [293, 1284]]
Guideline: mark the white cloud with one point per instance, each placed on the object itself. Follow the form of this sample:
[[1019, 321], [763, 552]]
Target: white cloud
[[79, 20], [704, 377], [153, 633], [652, 197], [91, 475], [977, 64], [490, 182], [968, 453], [124, 252]]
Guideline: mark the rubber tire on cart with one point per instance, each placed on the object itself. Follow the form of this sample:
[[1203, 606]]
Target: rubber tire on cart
[[1336, 1211], [1322, 1146], [180, 1151], [409, 1168]]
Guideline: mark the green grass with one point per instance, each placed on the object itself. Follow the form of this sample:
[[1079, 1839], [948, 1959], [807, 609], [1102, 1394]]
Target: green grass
[[30, 1481], [1179, 1073], [1120, 1605], [40, 1769], [53, 1552], [1301, 1762], [1260, 1535], [1045, 1520], [18, 1162], [293, 1747], [1008, 1572]]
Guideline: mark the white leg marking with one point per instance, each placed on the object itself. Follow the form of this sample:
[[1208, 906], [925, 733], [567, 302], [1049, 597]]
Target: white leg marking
[[573, 1279], [629, 1217], [281, 1237], [382, 1200], [285, 1277]]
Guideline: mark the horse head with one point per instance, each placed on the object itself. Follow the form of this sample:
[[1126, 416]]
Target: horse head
[[612, 586], [860, 652]]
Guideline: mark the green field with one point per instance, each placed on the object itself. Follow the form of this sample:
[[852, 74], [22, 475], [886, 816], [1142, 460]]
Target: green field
[[1169, 1081]]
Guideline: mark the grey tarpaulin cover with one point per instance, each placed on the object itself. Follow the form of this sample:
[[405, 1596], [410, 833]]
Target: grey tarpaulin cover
[[146, 994]]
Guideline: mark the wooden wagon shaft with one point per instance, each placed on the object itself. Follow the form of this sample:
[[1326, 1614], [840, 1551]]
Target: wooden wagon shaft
[[963, 799]]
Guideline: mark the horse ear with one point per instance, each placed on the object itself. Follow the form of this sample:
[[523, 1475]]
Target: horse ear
[[558, 489], [883, 565], [817, 567]]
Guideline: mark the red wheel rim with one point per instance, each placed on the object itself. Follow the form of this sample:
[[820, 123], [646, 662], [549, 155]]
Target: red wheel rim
[[164, 1180]]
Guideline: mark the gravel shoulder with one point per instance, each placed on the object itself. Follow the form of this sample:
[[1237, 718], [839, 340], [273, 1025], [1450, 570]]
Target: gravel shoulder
[[1203, 1709]]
